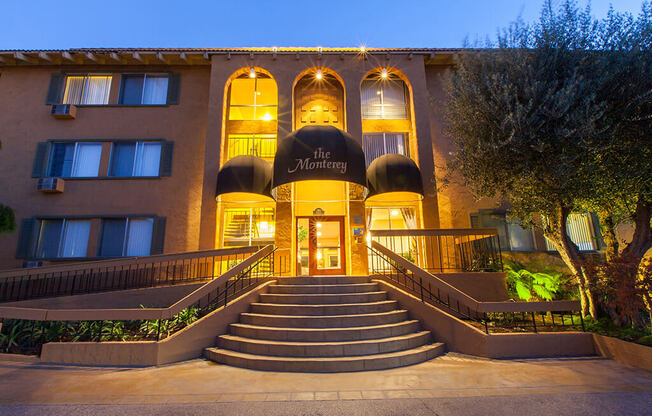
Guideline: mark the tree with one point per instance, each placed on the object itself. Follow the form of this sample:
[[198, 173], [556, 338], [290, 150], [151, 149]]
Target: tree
[[555, 118]]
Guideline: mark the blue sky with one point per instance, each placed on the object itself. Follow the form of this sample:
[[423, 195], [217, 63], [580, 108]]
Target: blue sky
[[38, 24]]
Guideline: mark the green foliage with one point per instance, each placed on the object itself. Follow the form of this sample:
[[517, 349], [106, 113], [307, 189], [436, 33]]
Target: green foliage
[[302, 234], [646, 340], [558, 114], [605, 326], [7, 219], [528, 286]]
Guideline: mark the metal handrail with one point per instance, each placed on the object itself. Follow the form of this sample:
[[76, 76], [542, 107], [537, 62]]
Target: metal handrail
[[118, 274], [431, 289]]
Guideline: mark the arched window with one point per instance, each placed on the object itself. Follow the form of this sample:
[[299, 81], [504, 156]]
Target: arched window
[[384, 97], [253, 96], [252, 110]]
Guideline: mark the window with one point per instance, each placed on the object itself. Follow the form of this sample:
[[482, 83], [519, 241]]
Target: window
[[75, 159], [135, 159], [582, 232], [144, 89], [512, 236], [126, 237], [384, 99], [248, 227], [391, 218], [63, 238], [259, 145], [378, 144], [253, 98], [87, 89]]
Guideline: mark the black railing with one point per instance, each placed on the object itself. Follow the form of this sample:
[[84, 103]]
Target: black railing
[[118, 274], [27, 336], [491, 317], [445, 250]]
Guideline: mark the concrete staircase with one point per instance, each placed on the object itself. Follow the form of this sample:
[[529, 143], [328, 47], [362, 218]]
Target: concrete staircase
[[324, 324]]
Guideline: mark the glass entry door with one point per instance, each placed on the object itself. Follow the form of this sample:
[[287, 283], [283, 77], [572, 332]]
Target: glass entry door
[[320, 246]]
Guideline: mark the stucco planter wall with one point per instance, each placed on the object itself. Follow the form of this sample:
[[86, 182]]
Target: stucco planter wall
[[629, 353]]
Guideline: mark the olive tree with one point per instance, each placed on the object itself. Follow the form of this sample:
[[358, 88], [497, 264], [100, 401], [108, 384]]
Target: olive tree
[[554, 118]]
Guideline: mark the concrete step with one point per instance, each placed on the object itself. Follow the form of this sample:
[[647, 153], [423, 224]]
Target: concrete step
[[324, 334], [323, 349], [329, 289], [326, 321], [325, 364], [322, 280], [318, 310], [313, 299]]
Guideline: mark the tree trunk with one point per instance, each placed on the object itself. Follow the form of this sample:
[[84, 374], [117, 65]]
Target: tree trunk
[[609, 234], [642, 238], [555, 230]]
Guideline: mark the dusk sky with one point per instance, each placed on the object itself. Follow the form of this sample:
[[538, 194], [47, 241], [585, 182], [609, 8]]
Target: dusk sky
[[39, 24]]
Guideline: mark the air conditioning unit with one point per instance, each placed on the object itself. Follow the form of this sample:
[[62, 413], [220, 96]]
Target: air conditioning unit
[[50, 185], [63, 111]]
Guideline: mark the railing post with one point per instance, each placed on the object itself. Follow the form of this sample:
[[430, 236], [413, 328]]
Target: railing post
[[582, 321], [158, 331], [534, 323], [421, 287]]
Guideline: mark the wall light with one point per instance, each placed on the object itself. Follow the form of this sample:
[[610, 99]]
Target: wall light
[[383, 73], [252, 72], [319, 75], [362, 49], [319, 225], [394, 212]]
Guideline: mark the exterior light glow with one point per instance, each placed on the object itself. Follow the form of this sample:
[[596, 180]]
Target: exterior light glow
[[319, 225], [362, 49], [263, 226], [394, 212], [252, 72], [383, 74], [318, 233], [319, 255], [368, 238], [267, 117], [318, 75]]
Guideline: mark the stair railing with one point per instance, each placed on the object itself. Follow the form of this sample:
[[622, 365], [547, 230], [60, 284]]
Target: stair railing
[[490, 316], [25, 330]]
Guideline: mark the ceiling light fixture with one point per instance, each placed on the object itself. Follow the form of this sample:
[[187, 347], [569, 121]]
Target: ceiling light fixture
[[383, 73], [319, 75], [252, 72]]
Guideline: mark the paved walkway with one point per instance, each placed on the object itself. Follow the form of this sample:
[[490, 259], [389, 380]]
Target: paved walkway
[[448, 385]]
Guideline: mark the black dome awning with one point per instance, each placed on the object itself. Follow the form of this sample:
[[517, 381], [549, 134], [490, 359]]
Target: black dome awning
[[247, 174], [319, 153], [393, 173]]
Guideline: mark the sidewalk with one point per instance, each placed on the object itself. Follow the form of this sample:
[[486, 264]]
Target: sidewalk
[[198, 384]]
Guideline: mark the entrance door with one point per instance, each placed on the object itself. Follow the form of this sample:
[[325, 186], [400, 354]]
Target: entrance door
[[320, 244]]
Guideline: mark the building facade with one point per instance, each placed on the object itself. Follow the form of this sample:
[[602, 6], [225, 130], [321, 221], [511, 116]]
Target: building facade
[[119, 152]]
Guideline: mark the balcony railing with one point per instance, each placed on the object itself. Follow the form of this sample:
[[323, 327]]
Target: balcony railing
[[445, 250]]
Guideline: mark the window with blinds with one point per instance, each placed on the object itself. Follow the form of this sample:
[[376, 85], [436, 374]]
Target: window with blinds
[[378, 144], [512, 236], [75, 159], [126, 237], [135, 159], [384, 99], [581, 231], [87, 89], [62, 238], [248, 227], [144, 89]]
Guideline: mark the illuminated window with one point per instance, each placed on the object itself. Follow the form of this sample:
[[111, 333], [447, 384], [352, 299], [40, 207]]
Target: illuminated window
[[248, 227], [253, 98], [384, 99], [87, 89], [391, 218], [378, 144], [259, 145], [583, 231]]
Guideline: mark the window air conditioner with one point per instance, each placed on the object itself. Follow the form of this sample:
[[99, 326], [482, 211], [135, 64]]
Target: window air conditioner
[[50, 185], [64, 111]]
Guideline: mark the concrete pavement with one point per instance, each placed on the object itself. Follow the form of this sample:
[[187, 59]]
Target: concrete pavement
[[448, 385]]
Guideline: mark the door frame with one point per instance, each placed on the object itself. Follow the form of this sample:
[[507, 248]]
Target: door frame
[[312, 244]]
